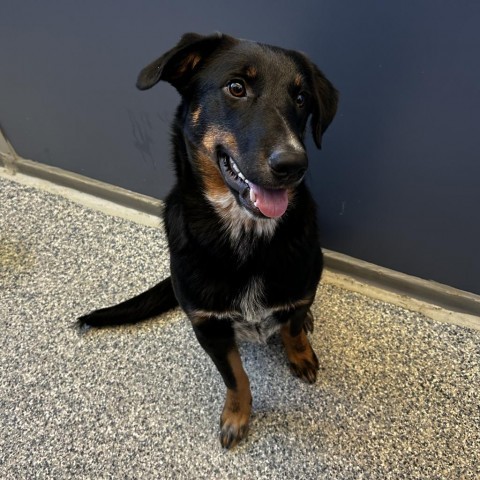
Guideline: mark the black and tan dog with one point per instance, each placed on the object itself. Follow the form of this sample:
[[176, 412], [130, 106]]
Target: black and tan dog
[[241, 223]]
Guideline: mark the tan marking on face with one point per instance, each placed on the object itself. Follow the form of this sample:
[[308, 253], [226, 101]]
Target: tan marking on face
[[213, 182], [196, 115], [251, 72], [215, 136], [209, 140], [214, 186], [212, 179], [298, 80]]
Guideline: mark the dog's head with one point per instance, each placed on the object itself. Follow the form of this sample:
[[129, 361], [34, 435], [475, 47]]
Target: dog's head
[[246, 111]]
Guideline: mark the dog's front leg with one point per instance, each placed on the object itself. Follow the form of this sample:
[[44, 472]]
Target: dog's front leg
[[217, 338], [303, 361]]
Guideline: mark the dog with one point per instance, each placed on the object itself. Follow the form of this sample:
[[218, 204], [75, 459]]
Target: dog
[[245, 255]]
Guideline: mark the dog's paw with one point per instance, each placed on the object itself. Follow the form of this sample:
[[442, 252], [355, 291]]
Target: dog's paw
[[232, 431], [305, 367], [235, 418], [302, 359]]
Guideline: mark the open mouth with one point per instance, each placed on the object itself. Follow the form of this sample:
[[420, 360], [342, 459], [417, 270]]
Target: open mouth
[[265, 202]]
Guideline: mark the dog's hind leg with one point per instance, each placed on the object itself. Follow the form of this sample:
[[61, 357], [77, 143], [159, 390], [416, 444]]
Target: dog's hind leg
[[303, 361], [217, 338]]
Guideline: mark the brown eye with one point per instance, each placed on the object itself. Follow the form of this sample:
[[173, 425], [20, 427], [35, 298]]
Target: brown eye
[[236, 88], [300, 100]]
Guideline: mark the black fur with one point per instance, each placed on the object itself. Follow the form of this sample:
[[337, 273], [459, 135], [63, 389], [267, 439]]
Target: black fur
[[244, 105], [155, 301]]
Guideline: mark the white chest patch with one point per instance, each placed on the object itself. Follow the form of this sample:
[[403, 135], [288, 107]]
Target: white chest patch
[[255, 323], [251, 300]]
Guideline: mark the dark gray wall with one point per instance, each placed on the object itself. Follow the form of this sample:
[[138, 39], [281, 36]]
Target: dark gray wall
[[398, 178]]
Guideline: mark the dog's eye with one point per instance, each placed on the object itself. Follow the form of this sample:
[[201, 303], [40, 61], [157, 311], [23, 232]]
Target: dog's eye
[[300, 100], [236, 88]]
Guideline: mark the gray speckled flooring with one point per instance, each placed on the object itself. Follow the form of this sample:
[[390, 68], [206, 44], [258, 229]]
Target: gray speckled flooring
[[398, 395]]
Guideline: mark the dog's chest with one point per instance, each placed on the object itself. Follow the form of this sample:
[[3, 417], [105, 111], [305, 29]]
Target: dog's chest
[[255, 322]]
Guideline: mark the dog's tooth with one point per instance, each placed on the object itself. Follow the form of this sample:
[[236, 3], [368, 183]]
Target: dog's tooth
[[253, 197], [234, 166]]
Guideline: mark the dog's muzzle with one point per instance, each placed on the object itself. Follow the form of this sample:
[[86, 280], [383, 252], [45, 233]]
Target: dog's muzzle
[[261, 201]]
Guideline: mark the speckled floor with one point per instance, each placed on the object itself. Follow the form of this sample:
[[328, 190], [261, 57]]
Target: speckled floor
[[398, 395]]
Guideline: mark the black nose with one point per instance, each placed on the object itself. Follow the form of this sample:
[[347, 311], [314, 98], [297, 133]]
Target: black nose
[[288, 165]]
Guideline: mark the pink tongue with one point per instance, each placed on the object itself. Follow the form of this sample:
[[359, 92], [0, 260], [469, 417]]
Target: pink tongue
[[272, 203]]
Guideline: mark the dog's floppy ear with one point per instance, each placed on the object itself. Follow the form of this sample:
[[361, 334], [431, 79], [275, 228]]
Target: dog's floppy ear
[[326, 101], [178, 64]]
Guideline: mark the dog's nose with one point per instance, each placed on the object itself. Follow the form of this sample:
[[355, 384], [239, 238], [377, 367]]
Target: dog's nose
[[288, 165]]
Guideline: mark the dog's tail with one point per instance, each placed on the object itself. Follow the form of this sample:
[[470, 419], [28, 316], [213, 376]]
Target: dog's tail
[[155, 301]]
